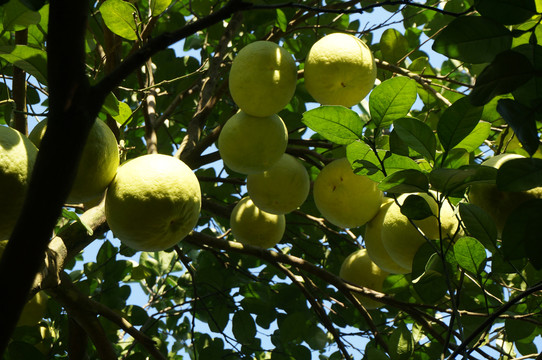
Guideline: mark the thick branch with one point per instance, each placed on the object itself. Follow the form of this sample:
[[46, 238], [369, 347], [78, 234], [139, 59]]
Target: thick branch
[[71, 300], [69, 243], [54, 171]]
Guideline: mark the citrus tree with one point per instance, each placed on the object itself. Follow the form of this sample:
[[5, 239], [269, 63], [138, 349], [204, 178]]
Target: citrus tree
[[455, 83]]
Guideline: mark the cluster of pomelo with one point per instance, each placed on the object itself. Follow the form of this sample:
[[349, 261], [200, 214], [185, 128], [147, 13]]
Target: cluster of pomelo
[[253, 142]]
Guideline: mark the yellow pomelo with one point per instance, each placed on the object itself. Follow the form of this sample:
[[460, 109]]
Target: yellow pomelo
[[17, 157], [153, 202], [373, 242], [35, 308], [249, 144], [402, 240], [359, 269], [262, 78], [282, 188], [344, 198], [253, 226], [98, 164], [339, 70], [500, 204]]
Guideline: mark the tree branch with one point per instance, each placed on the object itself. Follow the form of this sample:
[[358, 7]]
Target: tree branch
[[318, 309], [490, 319], [203, 241], [85, 309], [164, 40], [68, 126], [359, 10], [19, 88]]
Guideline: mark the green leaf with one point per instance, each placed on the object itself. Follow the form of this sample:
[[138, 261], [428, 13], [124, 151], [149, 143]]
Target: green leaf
[[401, 343], [454, 181], [453, 159], [393, 162], [470, 254], [522, 120], [531, 91], [394, 46], [31, 60], [243, 327], [392, 100], [106, 253], [520, 174], [517, 329], [427, 273], [363, 159], [335, 123], [375, 353], [158, 6], [457, 122], [120, 17], [416, 208], [34, 5], [476, 137], [508, 71], [479, 224], [507, 12], [73, 216], [281, 21], [405, 181], [219, 318], [416, 135], [119, 111], [521, 233], [473, 39], [18, 17]]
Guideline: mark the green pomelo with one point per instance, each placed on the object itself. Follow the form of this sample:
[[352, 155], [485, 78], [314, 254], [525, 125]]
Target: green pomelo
[[374, 245], [153, 202], [262, 78], [98, 164], [343, 198], [253, 226], [280, 189], [500, 204], [359, 269], [339, 70], [402, 239], [17, 158], [249, 144]]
